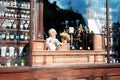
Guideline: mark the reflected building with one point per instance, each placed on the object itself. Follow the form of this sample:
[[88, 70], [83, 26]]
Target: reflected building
[[96, 15]]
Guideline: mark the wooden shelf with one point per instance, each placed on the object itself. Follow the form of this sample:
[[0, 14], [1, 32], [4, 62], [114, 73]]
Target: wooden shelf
[[2, 17], [7, 29], [13, 41], [17, 8]]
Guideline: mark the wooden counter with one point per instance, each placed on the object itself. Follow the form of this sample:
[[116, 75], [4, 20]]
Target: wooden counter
[[67, 57], [68, 72]]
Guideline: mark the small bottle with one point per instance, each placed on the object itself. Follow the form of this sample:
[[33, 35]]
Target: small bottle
[[88, 47], [28, 5], [15, 15], [11, 3], [14, 25], [6, 13], [17, 36], [10, 25], [16, 53], [15, 3], [15, 63], [80, 48], [22, 36], [11, 36], [21, 25], [7, 36], [26, 36], [22, 62], [26, 25], [3, 35], [8, 62]]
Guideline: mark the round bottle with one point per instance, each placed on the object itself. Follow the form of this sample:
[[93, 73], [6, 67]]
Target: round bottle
[[22, 36]]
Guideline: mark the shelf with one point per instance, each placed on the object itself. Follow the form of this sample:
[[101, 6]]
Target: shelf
[[2, 17], [14, 41], [6, 29], [18, 8]]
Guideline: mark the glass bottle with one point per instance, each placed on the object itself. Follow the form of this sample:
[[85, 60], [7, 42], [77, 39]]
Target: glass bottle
[[28, 5], [25, 5], [16, 53], [26, 36], [3, 35], [11, 3], [17, 36], [22, 36], [21, 25], [6, 13], [22, 62], [14, 25], [15, 3], [22, 14], [26, 25], [10, 24], [11, 36], [22, 4], [88, 47], [7, 36], [1, 3], [8, 62], [21, 50], [9, 13], [15, 62], [80, 48]]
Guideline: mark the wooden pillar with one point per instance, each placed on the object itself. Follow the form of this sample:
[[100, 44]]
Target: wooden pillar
[[41, 17]]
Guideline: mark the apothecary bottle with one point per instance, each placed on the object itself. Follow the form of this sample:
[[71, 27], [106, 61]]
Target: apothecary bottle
[[7, 36]]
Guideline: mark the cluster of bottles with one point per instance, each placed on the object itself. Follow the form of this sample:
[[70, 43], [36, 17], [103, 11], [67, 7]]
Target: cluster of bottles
[[82, 42], [23, 14], [79, 35], [12, 53], [12, 24], [114, 56], [15, 3], [14, 36]]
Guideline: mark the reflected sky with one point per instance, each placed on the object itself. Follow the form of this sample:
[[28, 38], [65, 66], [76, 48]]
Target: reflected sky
[[79, 6]]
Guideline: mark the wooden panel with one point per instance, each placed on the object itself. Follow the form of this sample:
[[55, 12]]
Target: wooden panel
[[67, 57], [38, 45], [38, 60], [70, 59], [114, 77], [73, 72], [98, 42]]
